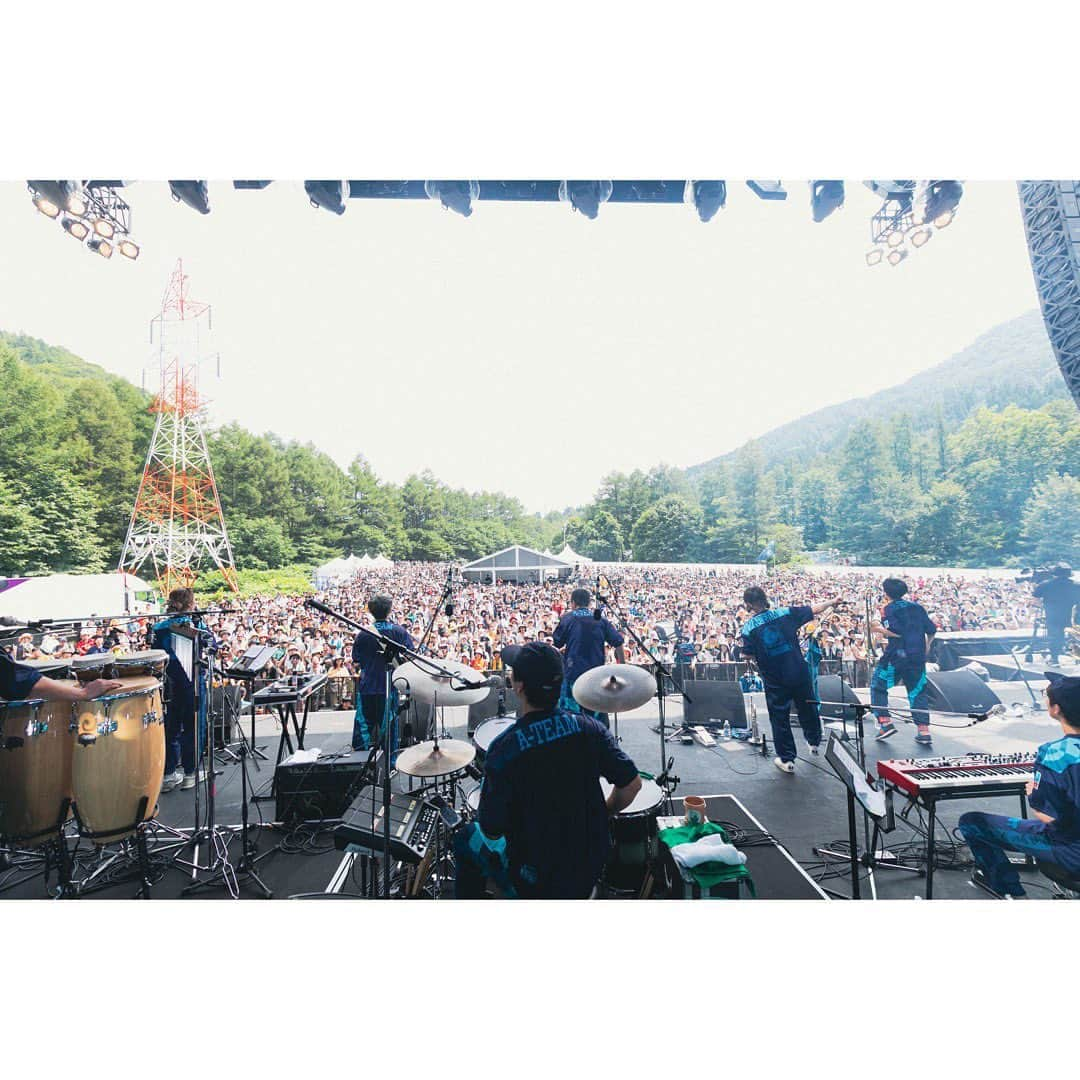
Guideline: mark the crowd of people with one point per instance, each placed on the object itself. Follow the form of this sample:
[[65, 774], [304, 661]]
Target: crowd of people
[[693, 609]]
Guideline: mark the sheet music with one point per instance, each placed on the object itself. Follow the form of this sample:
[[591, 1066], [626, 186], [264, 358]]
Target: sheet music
[[183, 648]]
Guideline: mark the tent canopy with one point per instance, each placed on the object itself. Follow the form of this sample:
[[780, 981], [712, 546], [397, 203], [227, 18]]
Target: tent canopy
[[569, 555], [517, 563], [62, 596]]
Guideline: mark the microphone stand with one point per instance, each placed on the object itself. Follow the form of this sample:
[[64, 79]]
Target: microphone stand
[[666, 779], [448, 588], [393, 653]]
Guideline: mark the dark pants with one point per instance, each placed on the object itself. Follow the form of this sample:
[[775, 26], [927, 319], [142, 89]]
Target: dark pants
[[1055, 639], [476, 860], [913, 676], [180, 728], [368, 721], [990, 835], [779, 698]]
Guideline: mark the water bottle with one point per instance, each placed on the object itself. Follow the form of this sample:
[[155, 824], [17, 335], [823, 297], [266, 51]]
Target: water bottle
[[727, 729]]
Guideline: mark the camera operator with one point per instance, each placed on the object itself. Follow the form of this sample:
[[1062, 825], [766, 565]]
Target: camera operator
[[1059, 594]]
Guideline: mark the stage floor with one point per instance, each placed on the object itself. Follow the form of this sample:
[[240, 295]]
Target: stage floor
[[802, 811]]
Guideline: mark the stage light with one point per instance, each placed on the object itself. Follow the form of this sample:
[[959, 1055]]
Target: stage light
[[936, 199], [943, 220], [46, 207], [76, 228], [104, 227], [767, 189], [63, 194], [327, 194], [101, 246], [456, 195], [874, 256], [897, 256], [706, 197], [76, 204], [920, 236], [129, 249], [895, 238], [586, 196], [825, 197], [191, 193]]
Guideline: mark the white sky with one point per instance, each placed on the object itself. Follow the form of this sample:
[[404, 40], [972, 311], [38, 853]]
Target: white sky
[[524, 349]]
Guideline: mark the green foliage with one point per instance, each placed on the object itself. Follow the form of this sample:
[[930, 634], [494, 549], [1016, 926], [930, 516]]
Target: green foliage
[[1052, 521], [671, 530], [295, 580]]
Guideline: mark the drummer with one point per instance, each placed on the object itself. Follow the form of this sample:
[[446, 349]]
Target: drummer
[[583, 639], [19, 682], [542, 827]]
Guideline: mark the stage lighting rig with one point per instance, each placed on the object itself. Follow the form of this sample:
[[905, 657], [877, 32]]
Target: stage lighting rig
[[897, 256], [771, 190], [920, 236], [52, 197], [101, 246], [74, 227], [129, 249], [874, 256], [456, 195], [825, 197], [706, 197], [193, 193], [327, 194], [936, 201], [586, 196]]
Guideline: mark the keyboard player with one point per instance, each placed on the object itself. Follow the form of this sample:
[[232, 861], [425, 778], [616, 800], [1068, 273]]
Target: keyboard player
[[1053, 835]]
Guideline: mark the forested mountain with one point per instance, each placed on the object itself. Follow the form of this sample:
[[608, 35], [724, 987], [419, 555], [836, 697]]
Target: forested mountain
[[75, 438], [976, 461], [1012, 364]]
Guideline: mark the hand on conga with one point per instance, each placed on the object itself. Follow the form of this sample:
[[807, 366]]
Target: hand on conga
[[100, 687]]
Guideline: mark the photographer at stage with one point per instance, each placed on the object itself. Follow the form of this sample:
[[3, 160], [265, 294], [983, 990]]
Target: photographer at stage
[[1060, 595]]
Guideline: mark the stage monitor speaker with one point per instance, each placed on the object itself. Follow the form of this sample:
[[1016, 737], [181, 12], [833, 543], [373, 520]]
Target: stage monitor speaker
[[960, 691], [832, 688], [319, 790], [225, 704], [715, 701]]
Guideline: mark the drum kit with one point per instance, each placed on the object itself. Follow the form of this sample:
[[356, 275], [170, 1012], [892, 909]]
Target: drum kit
[[99, 761], [443, 764]]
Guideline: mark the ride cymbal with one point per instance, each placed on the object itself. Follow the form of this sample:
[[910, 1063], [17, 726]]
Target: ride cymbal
[[435, 759], [614, 688]]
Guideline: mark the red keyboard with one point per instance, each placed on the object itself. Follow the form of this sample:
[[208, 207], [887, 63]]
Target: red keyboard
[[940, 775]]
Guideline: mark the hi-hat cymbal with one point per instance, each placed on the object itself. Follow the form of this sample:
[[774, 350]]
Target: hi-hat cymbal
[[430, 688], [615, 688], [435, 759]]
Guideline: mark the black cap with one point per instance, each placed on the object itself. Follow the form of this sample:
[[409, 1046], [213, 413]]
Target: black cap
[[536, 664], [1066, 691]]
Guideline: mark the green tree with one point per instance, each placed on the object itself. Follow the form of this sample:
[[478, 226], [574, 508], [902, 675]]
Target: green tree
[[668, 531], [260, 544], [1051, 520]]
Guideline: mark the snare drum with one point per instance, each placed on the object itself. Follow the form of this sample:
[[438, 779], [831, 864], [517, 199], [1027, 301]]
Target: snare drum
[[118, 759], [487, 732], [35, 768], [635, 838]]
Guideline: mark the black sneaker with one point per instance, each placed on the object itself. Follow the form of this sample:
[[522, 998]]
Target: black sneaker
[[885, 729]]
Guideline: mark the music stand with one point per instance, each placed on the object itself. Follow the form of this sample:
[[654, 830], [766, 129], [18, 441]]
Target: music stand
[[246, 670]]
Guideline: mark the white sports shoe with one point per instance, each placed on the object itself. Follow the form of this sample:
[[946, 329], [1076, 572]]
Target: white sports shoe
[[784, 766], [172, 781], [189, 780]]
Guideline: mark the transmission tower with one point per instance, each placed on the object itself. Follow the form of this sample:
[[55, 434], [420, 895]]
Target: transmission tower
[[177, 524]]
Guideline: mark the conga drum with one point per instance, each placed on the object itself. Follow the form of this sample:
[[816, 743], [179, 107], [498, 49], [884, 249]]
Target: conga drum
[[118, 759], [35, 764]]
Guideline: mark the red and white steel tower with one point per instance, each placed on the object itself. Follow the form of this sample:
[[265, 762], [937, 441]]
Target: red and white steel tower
[[177, 524]]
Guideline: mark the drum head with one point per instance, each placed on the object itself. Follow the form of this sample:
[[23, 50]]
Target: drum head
[[647, 801], [88, 668], [50, 668], [487, 732]]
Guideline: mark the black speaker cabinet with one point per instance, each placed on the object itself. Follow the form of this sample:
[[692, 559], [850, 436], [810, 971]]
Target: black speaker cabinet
[[960, 691], [831, 689], [708, 699], [319, 790]]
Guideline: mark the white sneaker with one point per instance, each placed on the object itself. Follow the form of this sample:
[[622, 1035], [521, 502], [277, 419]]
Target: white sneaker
[[784, 766], [172, 781], [190, 780]]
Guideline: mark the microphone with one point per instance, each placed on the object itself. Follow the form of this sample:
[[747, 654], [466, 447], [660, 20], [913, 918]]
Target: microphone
[[597, 614], [466, 684]]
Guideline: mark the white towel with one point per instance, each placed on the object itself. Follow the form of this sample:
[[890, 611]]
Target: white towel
[[711, 848]]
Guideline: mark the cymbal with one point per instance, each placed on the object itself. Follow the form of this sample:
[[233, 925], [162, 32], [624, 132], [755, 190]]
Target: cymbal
[[424, 759], [430, 688], [614, 688]]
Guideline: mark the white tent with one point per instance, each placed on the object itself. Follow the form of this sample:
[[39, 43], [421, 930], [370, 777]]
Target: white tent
[[366, 559], [69, 596], [334, 570], [569, 555], [381, 562], [516, 563]]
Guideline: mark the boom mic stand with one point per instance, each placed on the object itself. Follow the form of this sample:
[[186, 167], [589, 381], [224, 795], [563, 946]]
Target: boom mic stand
[[393, 653], [666, 779]]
